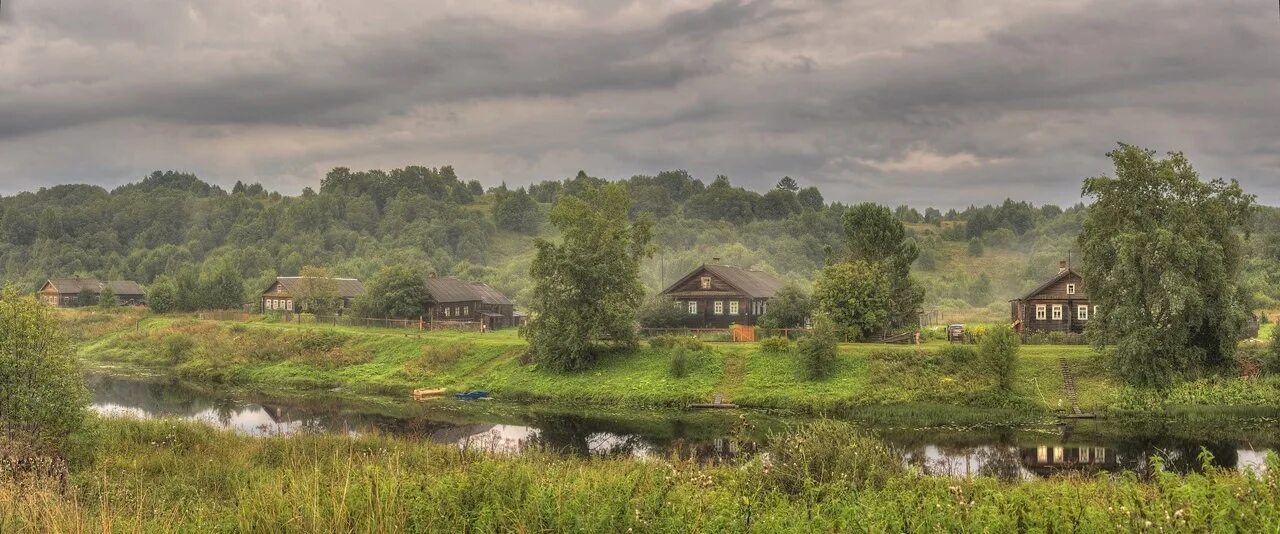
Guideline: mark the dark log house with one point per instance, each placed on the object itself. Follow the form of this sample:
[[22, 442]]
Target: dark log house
[[1061, 304], [717, 296], [454, 300]]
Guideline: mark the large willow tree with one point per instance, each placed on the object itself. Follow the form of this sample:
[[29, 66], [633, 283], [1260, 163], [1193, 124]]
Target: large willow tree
[[587, 288], [1163, 252]]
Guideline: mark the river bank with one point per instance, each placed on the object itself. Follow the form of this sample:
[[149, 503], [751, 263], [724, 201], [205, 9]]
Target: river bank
[[390, 363], [174, 476]]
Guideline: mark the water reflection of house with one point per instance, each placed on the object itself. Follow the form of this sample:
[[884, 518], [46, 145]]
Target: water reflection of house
[[1045, 460]]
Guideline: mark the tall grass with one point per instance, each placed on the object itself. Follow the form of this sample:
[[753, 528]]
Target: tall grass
[[184, 477]]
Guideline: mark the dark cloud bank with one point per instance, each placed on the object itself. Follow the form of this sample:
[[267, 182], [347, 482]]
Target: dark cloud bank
[[919, 101]]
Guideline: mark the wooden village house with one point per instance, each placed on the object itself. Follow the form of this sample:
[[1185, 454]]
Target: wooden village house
[[76, 291], [286, 294], [460, 301], [717, 296], [1061, 304]]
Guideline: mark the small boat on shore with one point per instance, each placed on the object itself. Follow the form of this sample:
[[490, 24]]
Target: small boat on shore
[[424, 394], [471, 395]]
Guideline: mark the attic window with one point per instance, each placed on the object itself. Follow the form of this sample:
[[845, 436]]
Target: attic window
[[706, 282], [1071, 289]]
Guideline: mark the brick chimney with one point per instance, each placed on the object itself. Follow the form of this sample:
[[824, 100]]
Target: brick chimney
[[715, 261], [1062, 266]]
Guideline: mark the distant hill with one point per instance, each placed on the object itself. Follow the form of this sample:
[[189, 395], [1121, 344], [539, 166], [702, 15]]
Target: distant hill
[[357, 222]]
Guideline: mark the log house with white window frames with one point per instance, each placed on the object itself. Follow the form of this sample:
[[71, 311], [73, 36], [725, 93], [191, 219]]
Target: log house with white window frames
[[716, 296], [1061, 304]]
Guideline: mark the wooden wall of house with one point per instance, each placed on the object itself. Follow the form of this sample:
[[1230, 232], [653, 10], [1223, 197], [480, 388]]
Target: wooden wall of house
[[1055, 294], [707, 318]]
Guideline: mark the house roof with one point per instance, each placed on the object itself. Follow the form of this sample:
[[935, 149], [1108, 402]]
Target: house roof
[[67, 286], [448, 289], [347, 287], [755, 284], [1040, 288]]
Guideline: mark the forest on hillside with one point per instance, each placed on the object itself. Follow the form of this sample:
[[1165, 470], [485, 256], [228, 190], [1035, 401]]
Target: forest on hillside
[[172, 224]]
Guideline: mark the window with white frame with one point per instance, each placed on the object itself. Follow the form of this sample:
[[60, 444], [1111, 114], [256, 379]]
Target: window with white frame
[[1041, 312], [1095, 310], [448, 312], [288, 305], [1082, 313], [1057, 312], [693, 307], [1071, 289], [706, 282], [466, 310], [719, 307], [733, 307]]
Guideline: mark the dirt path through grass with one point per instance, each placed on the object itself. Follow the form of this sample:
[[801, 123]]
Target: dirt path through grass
[[735, 369]]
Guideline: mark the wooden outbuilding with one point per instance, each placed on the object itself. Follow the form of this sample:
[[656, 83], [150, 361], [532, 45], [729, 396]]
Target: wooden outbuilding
[[75, 291], [1061, 304], [286, 293], [454, 300], [717, 296]]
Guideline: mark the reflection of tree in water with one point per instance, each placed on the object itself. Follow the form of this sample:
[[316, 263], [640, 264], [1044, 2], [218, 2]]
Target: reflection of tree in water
[[565, 434]]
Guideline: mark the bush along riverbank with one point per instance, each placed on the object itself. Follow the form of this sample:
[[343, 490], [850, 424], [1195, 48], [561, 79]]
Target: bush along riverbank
[[167, 476], [667, 372]]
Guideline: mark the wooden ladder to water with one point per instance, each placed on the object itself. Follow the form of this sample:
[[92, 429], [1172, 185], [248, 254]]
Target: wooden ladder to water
[[1069, 385]]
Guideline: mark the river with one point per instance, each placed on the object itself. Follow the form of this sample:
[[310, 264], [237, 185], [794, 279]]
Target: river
[[962, 444]]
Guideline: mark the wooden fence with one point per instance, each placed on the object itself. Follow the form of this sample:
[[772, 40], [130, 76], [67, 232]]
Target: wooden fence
[[344, 320]]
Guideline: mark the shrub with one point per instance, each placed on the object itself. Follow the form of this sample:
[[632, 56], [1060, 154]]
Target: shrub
[[321, 340], [818, 350], [692, 344], [435, 358], [177, 347], [958, 355], [975, 247], [679, 362], [998, 352], [42, 393], [829, 453], [775, 345], [1271, 358], [660, 312]]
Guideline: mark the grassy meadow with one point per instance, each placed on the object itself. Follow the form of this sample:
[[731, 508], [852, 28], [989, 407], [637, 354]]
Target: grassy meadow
[[167, 476], [357, 361]]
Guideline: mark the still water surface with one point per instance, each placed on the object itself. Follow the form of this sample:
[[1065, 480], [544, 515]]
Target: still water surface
[[988, 445]]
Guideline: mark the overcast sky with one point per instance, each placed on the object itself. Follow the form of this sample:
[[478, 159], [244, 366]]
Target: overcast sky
[[945, 102]]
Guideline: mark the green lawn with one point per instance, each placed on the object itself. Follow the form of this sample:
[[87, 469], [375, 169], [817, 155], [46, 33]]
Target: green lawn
[[391, 362]]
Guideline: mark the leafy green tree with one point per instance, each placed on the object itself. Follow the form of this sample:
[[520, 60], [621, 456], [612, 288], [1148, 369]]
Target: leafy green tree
[[42, 393], [516, 211], [810, 198], [85, 298], [1162, 258], [778, 204], [788, 183], [162, 296], [190, 295], [586, 288], [980, 290], [398, 291], [998, 351], [107, 298], [220, 287], [817, 351], [874, 235], [317, 291], [855, 295], [789, 308], [660, 312]]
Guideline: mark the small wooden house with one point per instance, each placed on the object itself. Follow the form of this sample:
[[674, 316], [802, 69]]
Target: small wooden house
[[1061, 304], [76, 291], [717, 296], [454, 300], [285, 294]]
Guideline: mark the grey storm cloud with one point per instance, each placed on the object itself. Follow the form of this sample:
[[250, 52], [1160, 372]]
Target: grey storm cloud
[[917, 101]]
